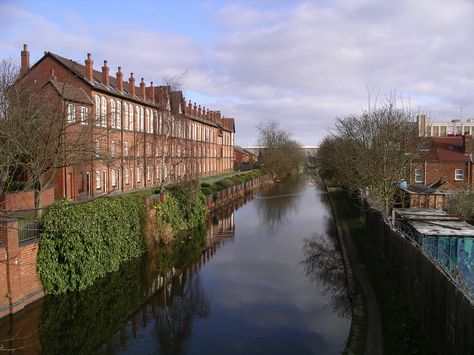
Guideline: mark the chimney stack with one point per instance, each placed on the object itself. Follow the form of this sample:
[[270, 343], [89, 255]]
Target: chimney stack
[[142, 89], [25, 60], [190, 107], [199, 111], [195, 109], [89, 68], [467, 143], [105, 74], [152, 92], [131, 84], [119, 79]]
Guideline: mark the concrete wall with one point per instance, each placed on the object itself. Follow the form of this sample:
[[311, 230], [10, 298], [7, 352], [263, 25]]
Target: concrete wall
[[445, 312]]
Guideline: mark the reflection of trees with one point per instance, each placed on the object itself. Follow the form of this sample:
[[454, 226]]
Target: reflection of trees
[[182, 301], [275, 203], [323, 264]]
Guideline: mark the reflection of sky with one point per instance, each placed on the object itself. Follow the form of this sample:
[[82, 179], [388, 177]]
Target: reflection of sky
[[261, 301]]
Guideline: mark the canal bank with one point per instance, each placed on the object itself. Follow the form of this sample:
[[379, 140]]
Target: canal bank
[[269, 280], [401, 332]]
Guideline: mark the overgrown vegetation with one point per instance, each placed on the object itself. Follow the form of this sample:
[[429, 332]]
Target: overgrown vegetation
[[461, 203], [184, 207], [82, 242]]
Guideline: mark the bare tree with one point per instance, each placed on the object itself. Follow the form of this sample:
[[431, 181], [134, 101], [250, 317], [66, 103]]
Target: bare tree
[[280, 154], [371, 151], [39, 133]]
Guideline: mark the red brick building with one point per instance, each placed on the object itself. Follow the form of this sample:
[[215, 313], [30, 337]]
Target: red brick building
[[444, 159], [141, 134]]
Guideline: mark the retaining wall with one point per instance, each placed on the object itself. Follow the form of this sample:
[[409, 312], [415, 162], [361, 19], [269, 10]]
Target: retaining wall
[[445, 312]]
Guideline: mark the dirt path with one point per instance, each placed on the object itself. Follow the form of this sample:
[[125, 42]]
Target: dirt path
[[374, 342]]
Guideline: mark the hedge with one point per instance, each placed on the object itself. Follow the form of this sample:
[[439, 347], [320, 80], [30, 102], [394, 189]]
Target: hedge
[[82, 242]]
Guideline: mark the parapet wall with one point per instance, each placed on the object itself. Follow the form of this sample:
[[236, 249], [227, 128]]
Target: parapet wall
[[445, 312]]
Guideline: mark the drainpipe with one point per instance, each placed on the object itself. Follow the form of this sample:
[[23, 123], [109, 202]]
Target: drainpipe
[[424, 173]]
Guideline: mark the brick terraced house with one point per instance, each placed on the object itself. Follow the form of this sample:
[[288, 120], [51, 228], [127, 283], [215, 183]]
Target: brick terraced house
[[141, 135], [444, 161]]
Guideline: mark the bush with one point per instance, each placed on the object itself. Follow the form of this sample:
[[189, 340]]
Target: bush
[[82, 242], [185, 207], [205, 184]]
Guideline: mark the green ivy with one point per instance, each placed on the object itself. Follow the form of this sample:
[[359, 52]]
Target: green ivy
[[82, 242], [185, 207]]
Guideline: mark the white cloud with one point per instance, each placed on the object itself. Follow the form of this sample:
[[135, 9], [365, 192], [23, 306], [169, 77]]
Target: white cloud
[[301, 63]]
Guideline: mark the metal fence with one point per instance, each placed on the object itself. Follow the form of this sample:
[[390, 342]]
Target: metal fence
[[27, 230]]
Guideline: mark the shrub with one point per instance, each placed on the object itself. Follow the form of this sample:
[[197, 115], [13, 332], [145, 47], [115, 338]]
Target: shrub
[[82, 242], [205, 184]]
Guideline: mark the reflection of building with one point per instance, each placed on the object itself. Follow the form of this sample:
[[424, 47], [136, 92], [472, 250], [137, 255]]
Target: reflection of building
[[138, 135]]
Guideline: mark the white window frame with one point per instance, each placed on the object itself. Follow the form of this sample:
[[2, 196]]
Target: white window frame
[[84, 115], [113, 178], [148, 175], [458, 174], [103, 112], [118, 125], [127, 177], [97, 148], [130, 118], [97, 180], [138, 175], [125, 118], [70, 115], [125, 148], [97, 110], [112, 149], [112, 113]]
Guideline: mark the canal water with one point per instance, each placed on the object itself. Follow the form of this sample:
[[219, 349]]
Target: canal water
[[264, 277]]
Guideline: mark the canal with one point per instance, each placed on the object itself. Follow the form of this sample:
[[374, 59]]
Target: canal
[[264, 277]]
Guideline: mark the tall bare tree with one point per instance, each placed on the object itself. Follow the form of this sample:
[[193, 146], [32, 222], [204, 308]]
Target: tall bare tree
[[371, 151]]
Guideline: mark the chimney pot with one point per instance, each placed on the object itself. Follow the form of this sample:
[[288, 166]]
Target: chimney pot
[[119, 80], [105, 74], [89, 68], [25, 60], [131, 82], [142, 89]]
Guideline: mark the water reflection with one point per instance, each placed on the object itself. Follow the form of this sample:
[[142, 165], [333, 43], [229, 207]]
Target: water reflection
[[275, 203], [323, 265]]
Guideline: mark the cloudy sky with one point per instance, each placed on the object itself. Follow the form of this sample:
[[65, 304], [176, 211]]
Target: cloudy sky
[[302, 63]]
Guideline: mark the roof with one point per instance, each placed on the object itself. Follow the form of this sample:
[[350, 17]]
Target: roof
[[431, 222], [80, 71], [444, 149], [70, 92]]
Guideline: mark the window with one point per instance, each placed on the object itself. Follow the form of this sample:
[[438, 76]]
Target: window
[[84, 114], [97, 110], [119, 115], [138, 174], [458, 174], [138, 118], [127, 177], [142, 119], [148, 149], [97, 179], [113, 178], [112, 113], [70, 113], [148, 173], [125, 148], [138, 150], [112, 149], [103, 112], [147, 120], [130, 118], [125, 118], [97, 147]]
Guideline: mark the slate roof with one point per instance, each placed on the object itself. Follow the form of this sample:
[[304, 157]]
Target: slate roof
[[70, 92]]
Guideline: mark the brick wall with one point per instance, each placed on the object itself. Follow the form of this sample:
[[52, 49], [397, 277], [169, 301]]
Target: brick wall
[[24, 200], [444, 171], [18, 269]]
